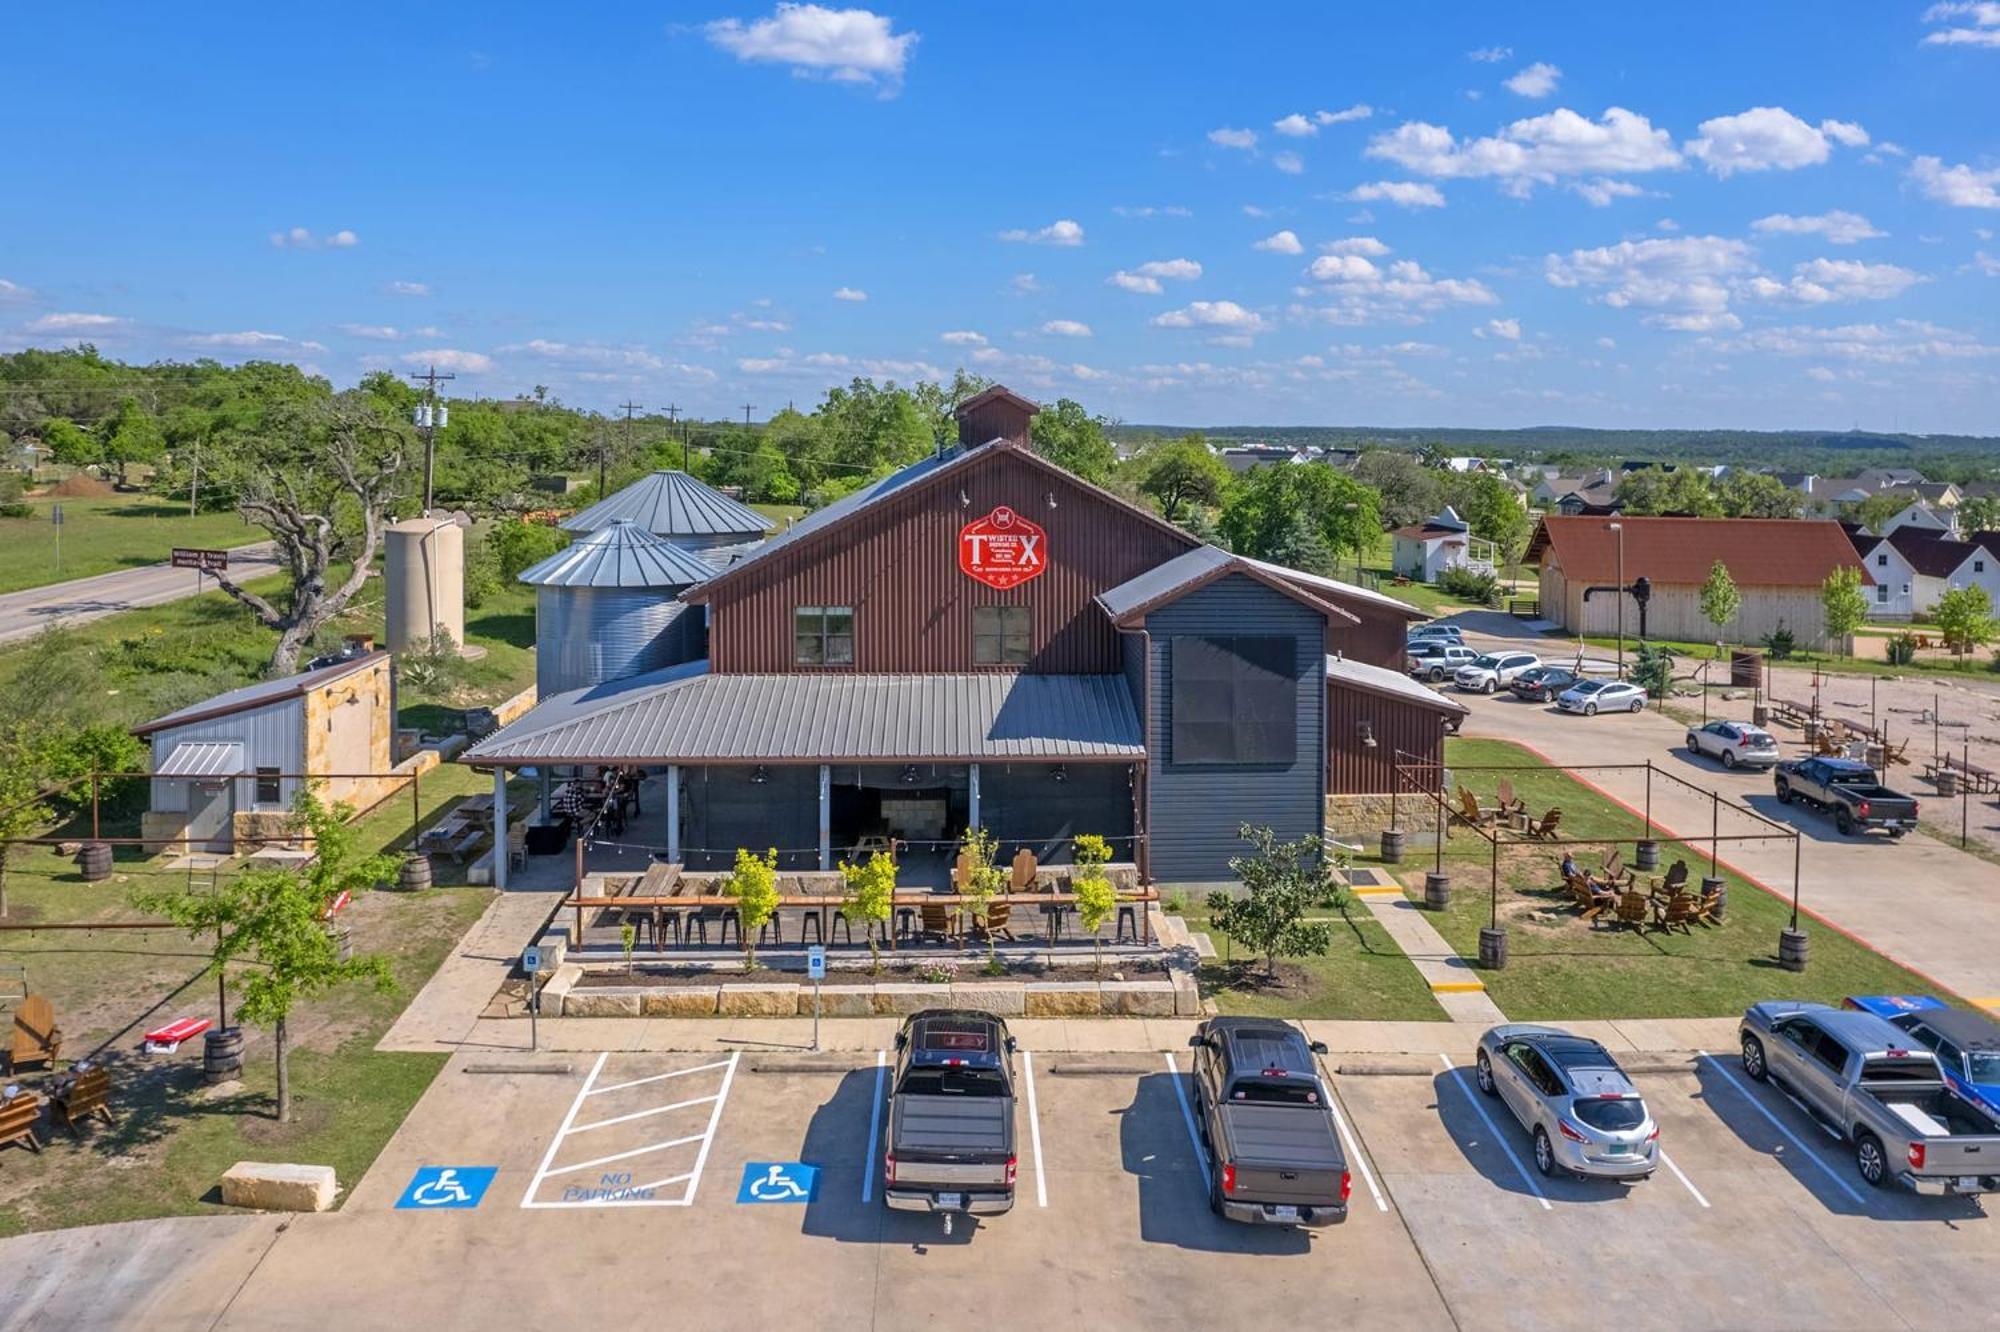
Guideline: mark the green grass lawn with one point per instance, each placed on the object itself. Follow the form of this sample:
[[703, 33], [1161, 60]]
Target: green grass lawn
[[1977, 663], [99, 535], [1364, 976], [1562, 967]]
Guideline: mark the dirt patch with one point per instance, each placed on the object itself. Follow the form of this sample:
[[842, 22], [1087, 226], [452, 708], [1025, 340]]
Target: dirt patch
[[82, 487], [1287, 982]]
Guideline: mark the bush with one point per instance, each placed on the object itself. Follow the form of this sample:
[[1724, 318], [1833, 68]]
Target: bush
[[11, 503], [1780, 643], [517, 544], [1901, 650], [1470, 585], [482, 574]]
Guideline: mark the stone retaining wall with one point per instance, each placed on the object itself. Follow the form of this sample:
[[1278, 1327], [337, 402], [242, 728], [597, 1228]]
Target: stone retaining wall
[[1175, 996]]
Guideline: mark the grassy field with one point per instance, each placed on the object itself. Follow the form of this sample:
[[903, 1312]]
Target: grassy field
[[1364, 976], [100, 535], [1560, 966], [1978, 663]]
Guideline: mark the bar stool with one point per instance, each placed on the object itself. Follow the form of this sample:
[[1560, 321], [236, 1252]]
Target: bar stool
[[841, 922], [904, 917], [810, 918], [1127, 916]]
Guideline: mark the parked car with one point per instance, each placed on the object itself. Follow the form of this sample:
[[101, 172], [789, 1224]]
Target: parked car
[[1737, 744], [951, 1116], [1967, 1044], [1450, 633], [1266, 1122], [1541, 684], [1494, 670], [1582, 1112], [1434, 661], [1858, 1075], [1591, 697], [1851, 790]]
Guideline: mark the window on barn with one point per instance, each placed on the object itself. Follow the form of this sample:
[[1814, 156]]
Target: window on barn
[[268, 787], [1001, 635], [1235, 700], [823, 636]]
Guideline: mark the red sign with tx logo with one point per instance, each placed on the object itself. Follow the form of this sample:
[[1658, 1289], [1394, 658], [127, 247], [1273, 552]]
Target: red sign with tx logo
[[1003, 549]]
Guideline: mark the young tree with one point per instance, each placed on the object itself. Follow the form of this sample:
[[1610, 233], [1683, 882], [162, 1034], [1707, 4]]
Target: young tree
[[321, 482], [1980, 513], [1965, 618], [1301, 545], [1654, 670], [1181, 475], [272, 922], [870, 899], [983, 879], [132, 435], [754, 885], [70, 445], [1844, 605], [1096, 901], [1492, 509], [1283, 881], [1719, 598]]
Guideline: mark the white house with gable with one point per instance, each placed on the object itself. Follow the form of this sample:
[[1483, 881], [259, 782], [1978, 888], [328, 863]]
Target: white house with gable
[[1444, 541]]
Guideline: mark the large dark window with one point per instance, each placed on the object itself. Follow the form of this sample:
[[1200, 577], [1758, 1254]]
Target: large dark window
[[1000, 635], [1235, 700], [823, 636], [268, 789]]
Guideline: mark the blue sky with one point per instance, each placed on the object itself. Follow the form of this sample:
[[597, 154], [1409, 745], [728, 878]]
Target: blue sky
[[1740, 215]]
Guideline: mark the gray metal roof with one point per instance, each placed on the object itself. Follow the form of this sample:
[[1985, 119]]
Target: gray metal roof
[[1162, 580], [619, 554], [671, 504], [686, 714], [203, 758], [1381, 680], [257, 695], [1337, 587]]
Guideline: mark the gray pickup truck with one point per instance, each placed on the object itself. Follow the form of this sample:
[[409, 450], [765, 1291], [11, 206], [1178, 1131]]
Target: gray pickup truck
[[1850, 789], [951, 1116], [1858, 1075], [1266, 1122]]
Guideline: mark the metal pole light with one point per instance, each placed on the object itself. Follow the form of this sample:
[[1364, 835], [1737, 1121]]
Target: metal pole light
[[1619, 528]]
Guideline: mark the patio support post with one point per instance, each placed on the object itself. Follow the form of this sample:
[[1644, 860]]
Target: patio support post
[[416, 809], [500, 828], [674, 813], [972, 795], [826, 813], [546, 780]]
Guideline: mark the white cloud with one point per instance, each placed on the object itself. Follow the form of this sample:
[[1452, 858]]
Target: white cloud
[[1986, 263], [1537, 80], [1280, 242], [593, 354], [1023, 283], [1768, 138], [343, 239], [963, 337], [1537, 150], [845, 45], [1135, 282], [1407, 193], [449, 358], [1252, 210], [1403, 293], [1984, 29], [1508, 330], [1295, 126], [408, 289], [1343, 268], [1608, 344], [1599, 193], [1359, 111], [1367, 245], [1066, 328], [1149, 210], [1837, 226], [1181, 270], [1690, 278], [1233, 138], [1821, 374], [13, 291], [73, 322], [1819, 281], [1960, 186], [849, 294], [239, 341], [1062, 231], [301, 238], [1490, 55], [1227, 316], [374, 332], [1899, 342], [1288, 162]]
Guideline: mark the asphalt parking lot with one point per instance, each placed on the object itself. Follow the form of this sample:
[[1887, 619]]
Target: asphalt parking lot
[[1758, 1222]]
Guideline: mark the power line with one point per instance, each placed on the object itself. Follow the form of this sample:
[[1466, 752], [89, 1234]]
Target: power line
[[427, 420]]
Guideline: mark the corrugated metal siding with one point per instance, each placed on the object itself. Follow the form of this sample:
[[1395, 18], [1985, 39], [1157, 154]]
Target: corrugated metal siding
[[1194, 811], [1354, 769], [272, 736], [1379, 639], [587, 635], [1134, 648], [896, 563]]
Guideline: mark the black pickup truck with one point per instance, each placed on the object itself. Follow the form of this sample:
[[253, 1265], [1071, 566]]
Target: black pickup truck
[[951, 1116], [1266, 1122], [1850, 789]]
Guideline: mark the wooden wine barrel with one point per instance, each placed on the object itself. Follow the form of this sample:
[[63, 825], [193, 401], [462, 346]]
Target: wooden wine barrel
[[94, 861], [416, 874], [222, 1054]]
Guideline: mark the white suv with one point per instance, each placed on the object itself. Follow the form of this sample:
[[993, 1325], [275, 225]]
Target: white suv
[[1494, 671]]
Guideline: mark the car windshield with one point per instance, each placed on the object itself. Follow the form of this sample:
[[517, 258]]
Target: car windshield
[[953, 1082], [1274, 1091], [1486, 663], [1588, 686], [1983, 1066], [1611, 1114]]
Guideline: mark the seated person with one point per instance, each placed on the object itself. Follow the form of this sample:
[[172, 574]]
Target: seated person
[[1569, 866]]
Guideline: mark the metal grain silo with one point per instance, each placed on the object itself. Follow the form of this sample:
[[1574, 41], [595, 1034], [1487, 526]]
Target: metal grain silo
[[679, 508], [607, 607]]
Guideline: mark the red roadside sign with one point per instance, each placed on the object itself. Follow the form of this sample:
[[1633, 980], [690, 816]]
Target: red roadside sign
[[1003, 549]]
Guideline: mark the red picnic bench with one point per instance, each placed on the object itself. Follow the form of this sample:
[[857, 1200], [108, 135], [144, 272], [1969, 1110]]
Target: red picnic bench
[[167, 1039]]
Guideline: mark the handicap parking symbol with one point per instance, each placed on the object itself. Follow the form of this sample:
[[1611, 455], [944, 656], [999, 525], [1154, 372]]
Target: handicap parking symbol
[[778, 1182], [437, 1188]]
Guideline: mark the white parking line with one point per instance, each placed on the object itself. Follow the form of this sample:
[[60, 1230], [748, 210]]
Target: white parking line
[[1472, 1099], [874, 1127], [618, 1193], [657, 1077], [1187, 1118], [708, 1138], [655, 1110], [622, 1156], [1758, 1106], [1035, 1128], [1354, 1150], [528, 1198], [1685, 1181]]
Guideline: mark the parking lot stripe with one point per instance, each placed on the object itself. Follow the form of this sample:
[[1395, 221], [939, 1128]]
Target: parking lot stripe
[[714, 1118], [1187, 1118], [1472, 1099], [1354, 1150], [642, 1114], [874, 1127], [620, 1156], [1685, 1181], [1035, 1128], [657, 1077], [662, 1183], [1758, 1106], [528, 1198]]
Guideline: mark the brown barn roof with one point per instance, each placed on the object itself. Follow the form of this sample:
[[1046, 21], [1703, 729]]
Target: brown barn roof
[[1759, 552], [998, 393]]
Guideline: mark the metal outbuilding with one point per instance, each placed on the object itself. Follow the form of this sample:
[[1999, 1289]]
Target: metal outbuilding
[[674, 505], [606, 608]]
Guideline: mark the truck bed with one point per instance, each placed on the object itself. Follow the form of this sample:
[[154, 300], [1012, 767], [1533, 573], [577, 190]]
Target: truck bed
[[952, 1128], [1284, 1155]]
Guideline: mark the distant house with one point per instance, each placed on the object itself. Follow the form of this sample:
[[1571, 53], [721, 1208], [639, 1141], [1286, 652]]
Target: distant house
[[1938, 494], [226, 770], [1778, 565], [1425, 550], [1242, 460], [1575, 494], [1913, 566], [1889, 478], [1922, 516]]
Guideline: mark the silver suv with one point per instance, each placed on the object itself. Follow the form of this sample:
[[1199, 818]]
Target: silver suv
[[1494, 671], [1584, 1114]]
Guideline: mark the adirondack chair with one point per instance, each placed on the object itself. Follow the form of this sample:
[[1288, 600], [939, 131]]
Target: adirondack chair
[[1021, 879], [18, 1117], [1899, 754], [37, 1039], [1615, 874], [1633, 908], [1678, 910], [88, 1097], [1544, 829], [1510, 804], [1707, 905], [1676, 880], [937, 920], [994, 922], [1591, 902], [1468, 812], [961, 873]]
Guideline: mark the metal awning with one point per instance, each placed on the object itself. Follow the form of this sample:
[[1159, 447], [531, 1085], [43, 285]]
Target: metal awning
[[203, 758]]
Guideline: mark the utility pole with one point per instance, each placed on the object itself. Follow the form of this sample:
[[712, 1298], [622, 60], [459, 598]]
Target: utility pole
[[629, 407], [431, 416], [747, 409], [673, 411]]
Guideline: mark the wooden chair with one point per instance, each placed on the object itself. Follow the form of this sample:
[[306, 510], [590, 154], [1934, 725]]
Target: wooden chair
[[1591, 902], [961, 873], [994, 922], [88, 1097], [1469, 813], [1021, 879], [18, 1118], [1676, 880], [1678, 910], [1707, 905], [938, 920], [1899, 754], [1544, 829], [1510, 804], [1633, 908], [1615, 875], [37, 1039]]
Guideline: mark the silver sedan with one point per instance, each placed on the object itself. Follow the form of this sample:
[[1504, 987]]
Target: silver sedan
[[1584, 1114]]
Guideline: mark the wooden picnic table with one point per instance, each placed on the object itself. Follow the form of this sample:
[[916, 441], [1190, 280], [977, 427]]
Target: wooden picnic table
[[1978, 780]]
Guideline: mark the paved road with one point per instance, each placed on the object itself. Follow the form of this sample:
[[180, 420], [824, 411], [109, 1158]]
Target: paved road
[[23, 614]]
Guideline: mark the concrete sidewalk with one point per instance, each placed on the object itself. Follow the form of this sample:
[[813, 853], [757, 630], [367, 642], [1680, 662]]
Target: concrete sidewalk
[[1454, 982], [442, 1016]]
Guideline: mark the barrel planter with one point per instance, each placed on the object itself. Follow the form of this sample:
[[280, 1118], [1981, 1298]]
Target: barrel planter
[[1392, 846], [1792, 949], [343, 942], [1492, 948], [1719, 890], [1437, 891], [1760, 715], [1646, 855], [222, 1054], [416, 875], [93, 862], [1947, 783]]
